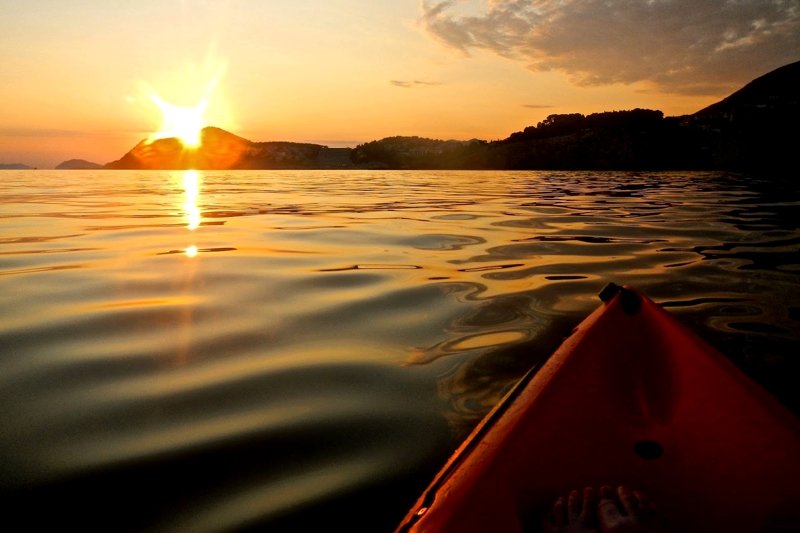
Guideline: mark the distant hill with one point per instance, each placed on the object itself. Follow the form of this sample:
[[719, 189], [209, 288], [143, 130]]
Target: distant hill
[[772, 93], [14, 166], [631, 139], [222, 150], [416, 152], [78, 164], [753, 128], [757, 126]]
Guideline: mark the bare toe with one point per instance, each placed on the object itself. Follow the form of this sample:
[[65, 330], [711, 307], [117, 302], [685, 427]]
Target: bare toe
[[574, 505], [560, 513], [556, 519], [573, 514], [625, 511], [608, 512], [587, 515], [630, 503]]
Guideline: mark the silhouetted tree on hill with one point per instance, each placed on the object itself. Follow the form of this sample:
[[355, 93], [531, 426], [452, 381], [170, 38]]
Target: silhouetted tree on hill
[[419, 152], [630, 139]]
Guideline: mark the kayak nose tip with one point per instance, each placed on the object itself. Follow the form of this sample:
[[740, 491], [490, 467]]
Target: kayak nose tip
[[629, 300]]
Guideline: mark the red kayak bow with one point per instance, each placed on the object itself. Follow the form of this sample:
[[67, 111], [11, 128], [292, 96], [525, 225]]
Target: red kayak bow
[[632, 397]]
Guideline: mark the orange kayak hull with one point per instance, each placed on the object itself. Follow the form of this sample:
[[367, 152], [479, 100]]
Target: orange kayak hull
[[632, 397]]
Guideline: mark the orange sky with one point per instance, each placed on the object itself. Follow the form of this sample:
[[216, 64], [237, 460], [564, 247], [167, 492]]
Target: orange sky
[[76, 75]]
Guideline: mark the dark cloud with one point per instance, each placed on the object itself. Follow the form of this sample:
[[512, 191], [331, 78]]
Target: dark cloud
[[413, 83], [683, 46]]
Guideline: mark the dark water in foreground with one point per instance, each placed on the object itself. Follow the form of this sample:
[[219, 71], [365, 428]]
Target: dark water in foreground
[[223, 351]]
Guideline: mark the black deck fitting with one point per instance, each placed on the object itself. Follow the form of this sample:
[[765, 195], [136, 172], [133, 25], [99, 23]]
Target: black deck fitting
[[608, 292], [629, 300]]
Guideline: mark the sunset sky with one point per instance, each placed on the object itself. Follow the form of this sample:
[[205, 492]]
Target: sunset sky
[[77, 75]]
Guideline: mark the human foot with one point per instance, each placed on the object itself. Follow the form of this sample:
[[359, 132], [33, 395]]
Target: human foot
[[625, 511], [575, 514]]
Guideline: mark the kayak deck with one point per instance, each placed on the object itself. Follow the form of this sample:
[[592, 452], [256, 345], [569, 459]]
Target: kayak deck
[[635, 398]]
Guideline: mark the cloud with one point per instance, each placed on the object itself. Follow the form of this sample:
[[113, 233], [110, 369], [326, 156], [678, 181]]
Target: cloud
[[537, 106], [405, 84], [681, 46]]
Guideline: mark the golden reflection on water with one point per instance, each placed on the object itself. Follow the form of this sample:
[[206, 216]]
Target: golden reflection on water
[[191, 193], [191, 209], [488, 339]]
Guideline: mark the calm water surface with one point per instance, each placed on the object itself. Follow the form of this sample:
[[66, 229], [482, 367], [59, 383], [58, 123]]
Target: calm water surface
[[215, 351]]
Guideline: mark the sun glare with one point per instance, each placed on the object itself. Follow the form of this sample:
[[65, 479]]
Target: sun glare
[[184, 122]]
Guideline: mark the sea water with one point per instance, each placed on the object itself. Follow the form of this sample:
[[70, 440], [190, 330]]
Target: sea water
[[216, 351]]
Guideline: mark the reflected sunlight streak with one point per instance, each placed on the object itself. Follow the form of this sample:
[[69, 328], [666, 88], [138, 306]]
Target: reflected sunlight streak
[[191, 209], [191, 188]]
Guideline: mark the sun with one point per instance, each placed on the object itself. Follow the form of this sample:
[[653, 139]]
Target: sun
[[183, 123]]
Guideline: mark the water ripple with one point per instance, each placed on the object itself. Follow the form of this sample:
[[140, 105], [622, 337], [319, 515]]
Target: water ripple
[[279, 349]]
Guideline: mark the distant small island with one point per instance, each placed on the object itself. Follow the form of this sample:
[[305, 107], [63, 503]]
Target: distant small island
[[78, 164], [14, 166], [753, 128]]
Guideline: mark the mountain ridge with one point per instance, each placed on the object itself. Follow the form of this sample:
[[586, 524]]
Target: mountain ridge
[[747, 129]]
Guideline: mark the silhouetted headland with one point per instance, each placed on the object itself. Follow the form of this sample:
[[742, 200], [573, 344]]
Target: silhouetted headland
[[222, 150], [753, 128]]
